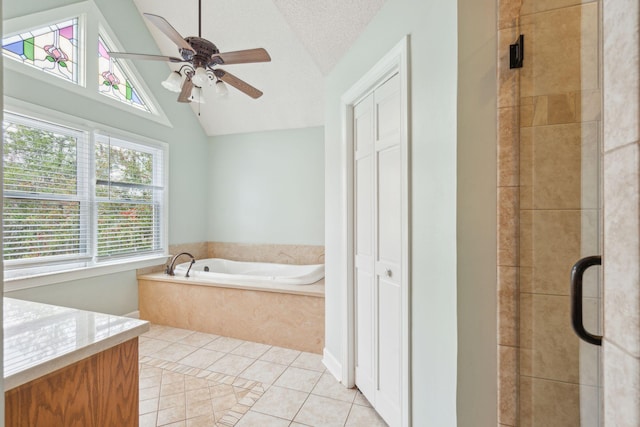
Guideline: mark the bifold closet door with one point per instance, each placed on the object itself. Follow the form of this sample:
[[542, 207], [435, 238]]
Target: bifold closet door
[[378, 247]]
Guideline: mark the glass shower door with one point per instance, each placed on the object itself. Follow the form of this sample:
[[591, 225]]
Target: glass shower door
[[560, 211]]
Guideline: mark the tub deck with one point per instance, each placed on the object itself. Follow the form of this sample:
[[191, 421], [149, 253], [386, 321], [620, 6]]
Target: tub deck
[[290, 316]]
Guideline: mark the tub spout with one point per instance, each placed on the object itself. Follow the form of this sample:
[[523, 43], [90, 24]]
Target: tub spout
[[171, 266]]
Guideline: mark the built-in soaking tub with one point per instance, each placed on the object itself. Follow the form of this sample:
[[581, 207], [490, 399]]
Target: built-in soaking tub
[[276, 304], [224, 271]]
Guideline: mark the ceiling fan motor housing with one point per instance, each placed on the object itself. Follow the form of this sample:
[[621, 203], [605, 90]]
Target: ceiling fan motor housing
[[203, 50]]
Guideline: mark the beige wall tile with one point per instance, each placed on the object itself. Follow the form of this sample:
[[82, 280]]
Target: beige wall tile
[[557, 67], [532, 6], [562, 108], [540, 111], [285, 320], [621, 82], [526, 168], [621, 231], [549, 347], [507, 385], [283, 254], [590, 106], [508, 306], [509, 13], [508, 147], [575, 107], [556, 404], [198, 250], [622, 382], [559, 166], [507, 226], [533, 111], [550, 245]]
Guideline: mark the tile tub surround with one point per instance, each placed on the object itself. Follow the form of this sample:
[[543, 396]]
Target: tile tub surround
[[250, 252], [190, 378], [292, 317], [281, 254]]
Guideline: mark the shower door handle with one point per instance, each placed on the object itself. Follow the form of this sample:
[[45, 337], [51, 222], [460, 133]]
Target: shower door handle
[[576, 298]]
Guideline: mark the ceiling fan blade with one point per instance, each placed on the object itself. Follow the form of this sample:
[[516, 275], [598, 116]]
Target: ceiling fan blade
[[168, 30], [241, 85], [144, 56], [241, 56], [185, 93]]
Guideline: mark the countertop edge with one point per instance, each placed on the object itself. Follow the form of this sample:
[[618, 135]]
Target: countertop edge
[[52, 365]]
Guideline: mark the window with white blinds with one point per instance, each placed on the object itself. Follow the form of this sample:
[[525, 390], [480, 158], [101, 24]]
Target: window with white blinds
[[128, 197], [76, 198]]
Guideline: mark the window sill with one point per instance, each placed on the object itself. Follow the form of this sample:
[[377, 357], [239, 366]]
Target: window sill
[[37, 280]]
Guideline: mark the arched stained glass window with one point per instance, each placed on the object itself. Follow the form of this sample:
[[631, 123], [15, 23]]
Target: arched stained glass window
[[113, 80], [52, 49]]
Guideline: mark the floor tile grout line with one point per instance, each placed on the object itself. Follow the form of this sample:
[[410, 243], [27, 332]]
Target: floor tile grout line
[[175, 366]]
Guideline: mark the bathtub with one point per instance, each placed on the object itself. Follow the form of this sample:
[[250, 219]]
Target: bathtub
[[228, 272], [260, 302]]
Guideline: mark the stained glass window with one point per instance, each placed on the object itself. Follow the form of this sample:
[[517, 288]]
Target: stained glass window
[[52, 49], [113, 81]]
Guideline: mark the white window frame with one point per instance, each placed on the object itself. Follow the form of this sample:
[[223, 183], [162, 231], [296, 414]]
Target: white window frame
[[18, 276]]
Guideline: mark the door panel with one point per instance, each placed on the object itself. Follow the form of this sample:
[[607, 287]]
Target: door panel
[[389, 207], [378, 240], [365, 290], [389, 349]]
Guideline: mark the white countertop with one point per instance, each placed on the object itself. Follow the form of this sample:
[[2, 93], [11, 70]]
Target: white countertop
[[41, 338]]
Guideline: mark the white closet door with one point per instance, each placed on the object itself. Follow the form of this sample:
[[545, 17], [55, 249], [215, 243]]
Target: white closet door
[[364, 246], [389, 249], [378, 169]]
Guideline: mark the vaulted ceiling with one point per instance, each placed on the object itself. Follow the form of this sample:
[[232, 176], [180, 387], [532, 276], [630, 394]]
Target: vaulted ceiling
[[305, 39]]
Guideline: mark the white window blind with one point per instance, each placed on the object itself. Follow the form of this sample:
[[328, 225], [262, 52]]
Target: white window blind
[[129, 193], [45, 202], [74, 199]]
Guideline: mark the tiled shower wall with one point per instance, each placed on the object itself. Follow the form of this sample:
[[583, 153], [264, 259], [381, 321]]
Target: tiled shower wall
[[549, 122], [622, 213]]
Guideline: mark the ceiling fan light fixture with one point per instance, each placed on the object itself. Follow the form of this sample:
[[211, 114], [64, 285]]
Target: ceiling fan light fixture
[[200, 78], [197, 95], [173, 82], [221, 89]]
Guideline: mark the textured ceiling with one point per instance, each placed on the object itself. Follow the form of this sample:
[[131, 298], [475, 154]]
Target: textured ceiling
[[328, 28], [305, 39]]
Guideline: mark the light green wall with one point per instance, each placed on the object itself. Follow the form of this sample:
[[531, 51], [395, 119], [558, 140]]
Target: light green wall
[[105, 294], [188, 217], [433, 63], [452, 191], [267, 187]]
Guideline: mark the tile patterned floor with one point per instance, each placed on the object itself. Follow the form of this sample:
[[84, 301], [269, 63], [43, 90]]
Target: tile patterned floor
[[192, 379]]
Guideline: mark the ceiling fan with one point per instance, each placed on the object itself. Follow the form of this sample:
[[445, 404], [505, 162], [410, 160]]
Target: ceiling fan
[[200, 59]]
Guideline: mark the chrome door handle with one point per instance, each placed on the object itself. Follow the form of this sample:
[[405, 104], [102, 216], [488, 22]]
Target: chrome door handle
[[576, 298]]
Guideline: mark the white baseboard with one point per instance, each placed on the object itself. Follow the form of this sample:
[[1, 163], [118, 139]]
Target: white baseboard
[[133, 314], [332, 364]]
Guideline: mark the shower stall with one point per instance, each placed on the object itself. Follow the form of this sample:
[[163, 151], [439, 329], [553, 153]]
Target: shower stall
[[550, 211]]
